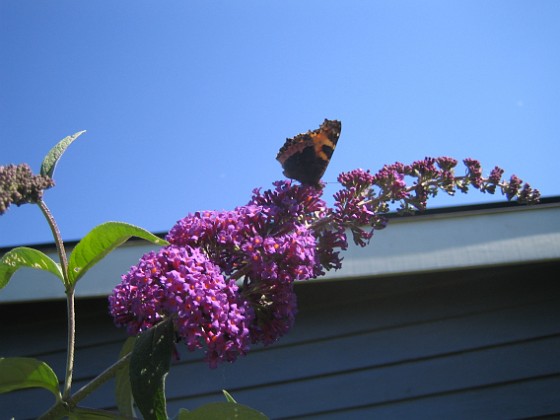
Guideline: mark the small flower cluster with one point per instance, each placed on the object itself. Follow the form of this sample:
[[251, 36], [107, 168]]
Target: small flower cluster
[[18, 185], [226, 279], [354, 209], [431, 175], [182, 283], [271, 243], [265, 245]]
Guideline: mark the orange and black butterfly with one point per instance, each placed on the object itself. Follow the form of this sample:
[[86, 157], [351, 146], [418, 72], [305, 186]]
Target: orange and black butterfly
[[306, 156]]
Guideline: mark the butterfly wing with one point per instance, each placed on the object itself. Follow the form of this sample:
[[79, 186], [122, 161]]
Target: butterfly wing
[[306, 156]]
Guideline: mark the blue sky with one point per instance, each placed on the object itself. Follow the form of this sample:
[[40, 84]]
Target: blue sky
[[186, 103]]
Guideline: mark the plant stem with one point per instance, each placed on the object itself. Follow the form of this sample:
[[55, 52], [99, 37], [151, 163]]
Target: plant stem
[[71, 342], [71, 313], [57, 240]]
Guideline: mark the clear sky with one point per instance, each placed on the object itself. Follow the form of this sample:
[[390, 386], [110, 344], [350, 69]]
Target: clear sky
[[186, 103]]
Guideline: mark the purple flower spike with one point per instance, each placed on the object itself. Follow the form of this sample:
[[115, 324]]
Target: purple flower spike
[[283, 235]]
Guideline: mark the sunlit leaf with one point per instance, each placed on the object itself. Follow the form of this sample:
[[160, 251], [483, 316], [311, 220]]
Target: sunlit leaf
[[228, 396], [51, 159], [100, 241], [24, 372], [149, 365], [26, 257]]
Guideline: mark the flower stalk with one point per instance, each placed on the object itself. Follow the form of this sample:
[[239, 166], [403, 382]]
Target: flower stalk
[[70, 300]]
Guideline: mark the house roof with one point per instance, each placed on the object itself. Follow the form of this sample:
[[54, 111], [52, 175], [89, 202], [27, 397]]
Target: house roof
[[439, 240]]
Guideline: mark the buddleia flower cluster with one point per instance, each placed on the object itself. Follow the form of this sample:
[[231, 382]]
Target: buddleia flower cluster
[[18, 185], [431, 175], [226, 279]]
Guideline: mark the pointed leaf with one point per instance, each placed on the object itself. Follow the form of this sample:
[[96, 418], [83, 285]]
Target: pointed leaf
[[123, 390], [222, 411], [51, 159], [25, 372], [149, 365], [228, 396], [100, 241], [26, 257]]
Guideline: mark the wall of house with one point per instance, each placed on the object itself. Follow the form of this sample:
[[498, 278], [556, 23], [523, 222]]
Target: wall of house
[[479, 343]]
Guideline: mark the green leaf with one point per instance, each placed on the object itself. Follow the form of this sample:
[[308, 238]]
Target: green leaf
[[100, 241], [149, 365], [123, 391], [51, 159], [228, 396], [222, 411], [25, 372], [26, 257]]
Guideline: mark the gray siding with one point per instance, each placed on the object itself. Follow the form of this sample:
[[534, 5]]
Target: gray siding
[[479, 343]]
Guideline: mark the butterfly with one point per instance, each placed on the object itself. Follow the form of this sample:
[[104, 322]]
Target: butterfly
[[306, 156]]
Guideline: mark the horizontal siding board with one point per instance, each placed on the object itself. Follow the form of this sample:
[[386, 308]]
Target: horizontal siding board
[[377, 348], [25, 404], [455, 241], [454, 295], [453, 331], [360, 304], [523, 399], [401, 381], [47, 321], [367, 334]]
